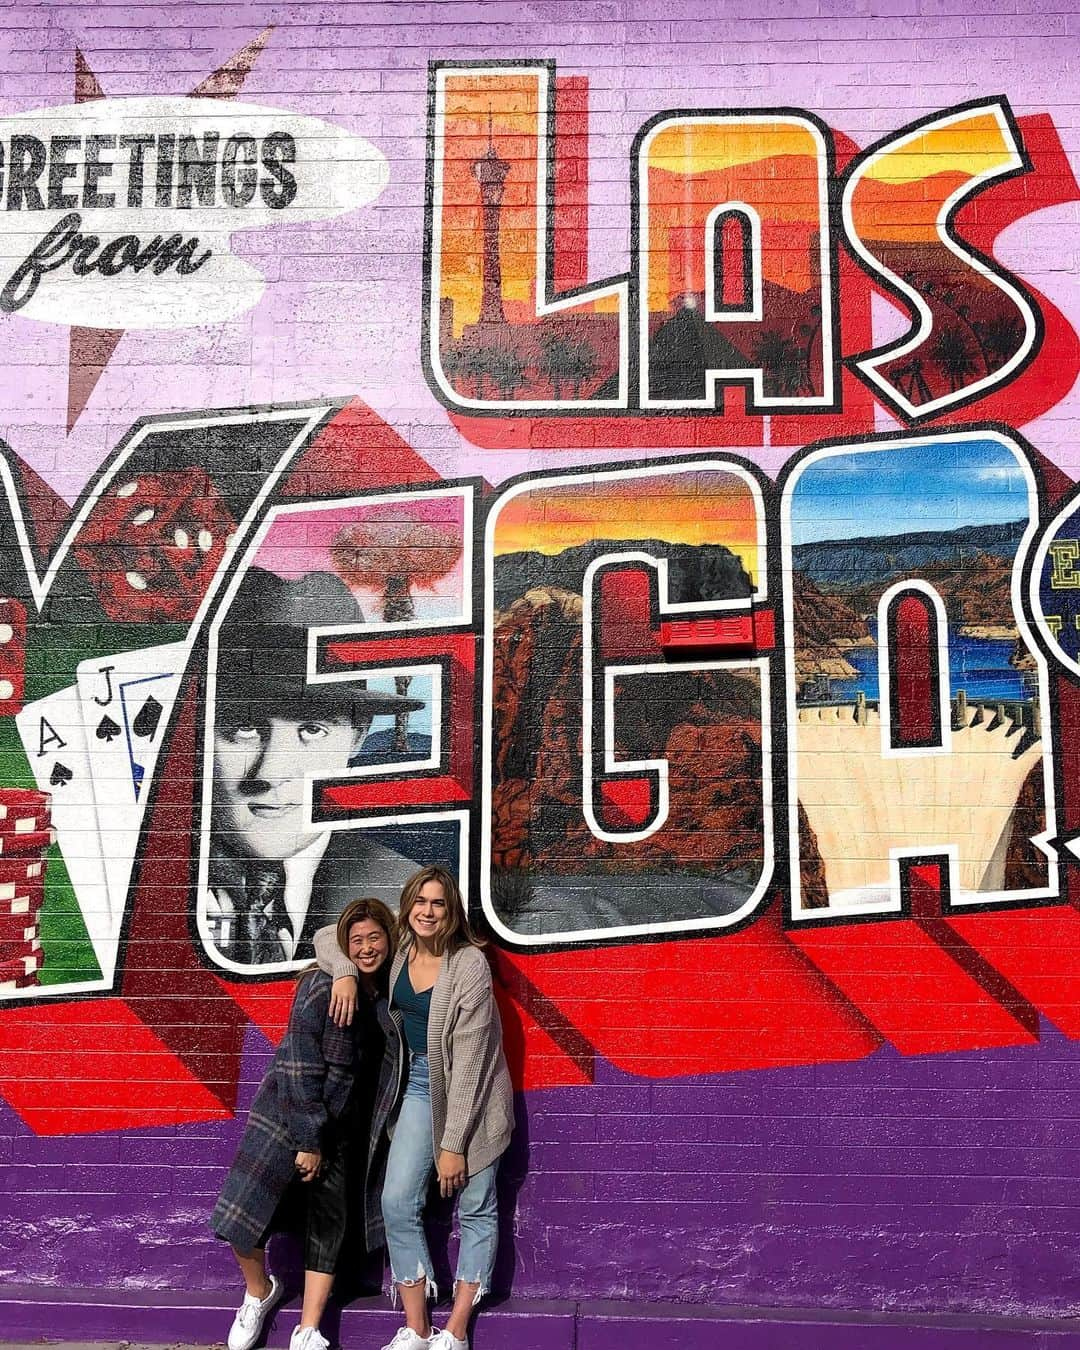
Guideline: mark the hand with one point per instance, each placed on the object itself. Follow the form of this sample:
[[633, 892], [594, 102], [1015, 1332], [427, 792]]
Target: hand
[[452, 1174], [343, 1000], [220, 917], [308, 1165]]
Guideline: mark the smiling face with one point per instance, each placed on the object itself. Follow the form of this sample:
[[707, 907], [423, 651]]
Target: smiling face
[[427, 917], [260, 769], [369, 945]]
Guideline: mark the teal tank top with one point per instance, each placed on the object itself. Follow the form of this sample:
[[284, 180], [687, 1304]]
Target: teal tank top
[[415, 1010]]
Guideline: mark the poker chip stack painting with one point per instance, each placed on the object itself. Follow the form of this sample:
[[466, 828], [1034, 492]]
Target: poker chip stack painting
[[25, 835]]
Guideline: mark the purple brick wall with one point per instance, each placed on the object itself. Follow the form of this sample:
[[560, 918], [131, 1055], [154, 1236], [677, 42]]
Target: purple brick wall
[[943, 1184]]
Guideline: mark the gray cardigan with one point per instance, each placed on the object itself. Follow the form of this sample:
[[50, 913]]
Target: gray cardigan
[[472, 1100]]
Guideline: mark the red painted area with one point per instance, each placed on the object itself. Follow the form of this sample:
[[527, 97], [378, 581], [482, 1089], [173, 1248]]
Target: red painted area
[[747, 1000], [908, 986], [913, 661], [626, 617], [764, 629], [355, 452], [541, 1049], [1037, 951], [12, 657], [367, 795], [626, 802], [734, 238], [708, 634], [570, 264], [81, 1067], [265, 1005]]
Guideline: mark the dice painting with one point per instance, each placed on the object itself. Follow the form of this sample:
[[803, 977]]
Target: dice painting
[[153, 542]]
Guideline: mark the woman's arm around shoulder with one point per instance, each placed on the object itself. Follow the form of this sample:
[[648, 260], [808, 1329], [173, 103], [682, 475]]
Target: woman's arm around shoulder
[[329, 955], [333, 962]]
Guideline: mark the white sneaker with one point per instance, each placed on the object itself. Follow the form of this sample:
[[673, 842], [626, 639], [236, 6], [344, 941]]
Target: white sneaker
[[308, 1338], [407, 1339], [251, 1317], [446, 1340]]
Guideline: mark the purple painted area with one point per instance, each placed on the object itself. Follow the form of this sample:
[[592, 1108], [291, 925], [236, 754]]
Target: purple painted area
[[948, 1183], [534, 1325], [888, 1183], [654, 1328], [171, 1317]]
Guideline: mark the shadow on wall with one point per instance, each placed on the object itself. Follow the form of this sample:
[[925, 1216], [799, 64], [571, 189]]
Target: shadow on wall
[[511, 1176]]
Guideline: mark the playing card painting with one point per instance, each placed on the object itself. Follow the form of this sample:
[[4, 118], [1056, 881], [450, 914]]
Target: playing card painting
[[90, 747]]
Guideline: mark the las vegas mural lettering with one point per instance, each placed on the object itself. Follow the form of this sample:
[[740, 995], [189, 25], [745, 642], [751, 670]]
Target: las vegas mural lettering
[[607, 697], [755, 237], [271, 659]]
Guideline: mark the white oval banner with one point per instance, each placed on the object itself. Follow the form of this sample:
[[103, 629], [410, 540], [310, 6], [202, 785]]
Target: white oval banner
[[119, 212]]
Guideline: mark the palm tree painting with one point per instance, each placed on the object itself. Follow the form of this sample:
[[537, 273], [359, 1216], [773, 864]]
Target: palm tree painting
[[1002, 337], [952, 356], [566, 361]]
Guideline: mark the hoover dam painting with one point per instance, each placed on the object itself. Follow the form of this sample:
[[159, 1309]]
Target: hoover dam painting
[[912, 686]]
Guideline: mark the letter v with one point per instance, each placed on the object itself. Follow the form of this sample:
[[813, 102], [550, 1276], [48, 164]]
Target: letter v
[[243, 451]]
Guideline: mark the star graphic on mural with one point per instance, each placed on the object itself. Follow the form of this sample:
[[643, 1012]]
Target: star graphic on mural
[[90, 349]]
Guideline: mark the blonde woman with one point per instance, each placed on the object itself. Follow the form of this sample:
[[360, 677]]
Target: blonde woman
[[457, 1114]]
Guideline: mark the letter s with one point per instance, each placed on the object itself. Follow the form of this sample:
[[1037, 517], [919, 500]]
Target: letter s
[[278, 149], [973, 326]]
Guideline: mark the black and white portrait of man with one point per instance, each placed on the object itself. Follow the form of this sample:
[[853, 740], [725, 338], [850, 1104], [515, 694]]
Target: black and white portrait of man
[[274, 877]]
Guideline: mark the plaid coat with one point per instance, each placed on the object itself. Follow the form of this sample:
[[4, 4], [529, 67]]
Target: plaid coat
[[306, 1088], [472, 1098]]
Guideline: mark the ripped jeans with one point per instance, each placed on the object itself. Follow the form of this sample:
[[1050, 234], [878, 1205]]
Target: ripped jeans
[[408, 1172]]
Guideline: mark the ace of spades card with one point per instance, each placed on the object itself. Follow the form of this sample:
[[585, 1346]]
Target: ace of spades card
[[126, 702], [51, 730]]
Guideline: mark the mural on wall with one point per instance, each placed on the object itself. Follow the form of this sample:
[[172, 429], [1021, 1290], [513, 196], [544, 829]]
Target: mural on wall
[[735, 269], [504, 325], [627, 793], [974, 325], [753, 236], [271, 659], [278, 731], [916, 701], [116, 609]]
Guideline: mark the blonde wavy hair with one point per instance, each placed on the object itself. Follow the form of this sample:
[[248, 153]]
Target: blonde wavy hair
[[456, 930]]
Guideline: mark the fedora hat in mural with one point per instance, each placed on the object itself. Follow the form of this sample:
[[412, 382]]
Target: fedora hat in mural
[[263, 646]]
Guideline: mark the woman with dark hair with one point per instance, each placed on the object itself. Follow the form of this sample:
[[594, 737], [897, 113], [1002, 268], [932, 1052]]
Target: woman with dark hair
[[457, 1113], [319, 1115]]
